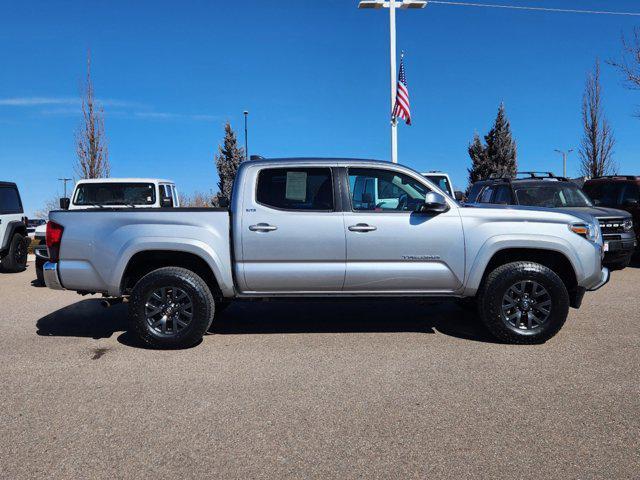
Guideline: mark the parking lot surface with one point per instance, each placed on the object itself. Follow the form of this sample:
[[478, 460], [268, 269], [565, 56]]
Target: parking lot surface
[[389, 389]]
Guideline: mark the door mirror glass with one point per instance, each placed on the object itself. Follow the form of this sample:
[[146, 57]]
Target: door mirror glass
[[434, 202], [64, 203], [223, 202], [459, 195]]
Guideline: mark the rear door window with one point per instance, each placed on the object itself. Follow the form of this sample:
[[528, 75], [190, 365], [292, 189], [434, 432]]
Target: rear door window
[[296, 188], [10, 200]]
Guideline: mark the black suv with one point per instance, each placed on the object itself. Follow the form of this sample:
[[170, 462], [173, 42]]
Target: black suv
[[543, 189]]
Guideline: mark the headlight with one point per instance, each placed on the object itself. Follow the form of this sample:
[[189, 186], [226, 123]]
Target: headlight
[[628, 225], [585, 230]]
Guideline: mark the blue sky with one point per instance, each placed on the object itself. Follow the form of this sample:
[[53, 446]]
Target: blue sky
[[314, 75]]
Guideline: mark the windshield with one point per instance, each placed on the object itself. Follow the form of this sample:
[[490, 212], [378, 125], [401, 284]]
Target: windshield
[[441, 182], [115, 194], [612, 194], [552, 196]]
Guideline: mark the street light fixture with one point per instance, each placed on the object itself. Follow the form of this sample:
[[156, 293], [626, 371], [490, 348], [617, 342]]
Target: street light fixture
[[246, 141], [564, 160], [392, 5]]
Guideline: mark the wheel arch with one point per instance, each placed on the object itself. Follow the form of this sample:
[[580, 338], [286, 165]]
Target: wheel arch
[[555, 256]]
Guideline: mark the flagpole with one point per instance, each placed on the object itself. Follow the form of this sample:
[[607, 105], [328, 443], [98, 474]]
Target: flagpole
[[392, 43]]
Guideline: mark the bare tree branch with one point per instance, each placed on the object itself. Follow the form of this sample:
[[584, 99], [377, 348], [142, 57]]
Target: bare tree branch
[[91, 141], [598, 142]]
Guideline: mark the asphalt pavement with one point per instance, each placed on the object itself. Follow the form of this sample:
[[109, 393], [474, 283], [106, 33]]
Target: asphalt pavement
[[384, 389]]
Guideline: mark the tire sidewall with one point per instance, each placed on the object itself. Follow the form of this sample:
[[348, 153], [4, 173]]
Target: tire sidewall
[[10, 264], [193, 286], [491, 306]]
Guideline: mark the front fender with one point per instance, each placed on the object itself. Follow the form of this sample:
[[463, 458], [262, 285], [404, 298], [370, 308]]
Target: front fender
[[498, 243]]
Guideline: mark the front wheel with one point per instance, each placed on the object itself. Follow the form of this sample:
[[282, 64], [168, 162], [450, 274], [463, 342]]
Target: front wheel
[[171, 307], [523, 302]]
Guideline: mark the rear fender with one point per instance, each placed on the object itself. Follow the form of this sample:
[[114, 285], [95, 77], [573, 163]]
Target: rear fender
[[221, 268]]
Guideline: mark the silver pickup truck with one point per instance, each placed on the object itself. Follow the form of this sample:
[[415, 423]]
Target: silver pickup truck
[[333, 228]]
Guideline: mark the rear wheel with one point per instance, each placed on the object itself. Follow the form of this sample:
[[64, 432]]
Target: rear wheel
[[16, 259], [171, 308], [523, 302]]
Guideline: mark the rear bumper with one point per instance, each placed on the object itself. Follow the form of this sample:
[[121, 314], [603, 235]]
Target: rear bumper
[[602, 281], [51, 277], [41, 253]]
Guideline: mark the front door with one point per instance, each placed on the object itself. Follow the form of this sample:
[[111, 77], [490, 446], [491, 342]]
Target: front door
[[293, 236], [391, 246]]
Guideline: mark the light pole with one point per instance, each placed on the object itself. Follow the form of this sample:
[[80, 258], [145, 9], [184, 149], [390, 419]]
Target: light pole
[[65, 180], [246, 144], [392, 5], [564, 160]]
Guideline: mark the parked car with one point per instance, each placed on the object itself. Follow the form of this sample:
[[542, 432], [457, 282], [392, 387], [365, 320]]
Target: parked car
[[336, 228], [543, 189], [443, 181], [617, 191], [13, 229], [112, 193], [32, 224]]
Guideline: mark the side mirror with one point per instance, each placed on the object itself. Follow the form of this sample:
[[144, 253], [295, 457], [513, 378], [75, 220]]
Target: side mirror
[[631, 202], [458, 195], [64, 203], [434, 202], [223, 202]]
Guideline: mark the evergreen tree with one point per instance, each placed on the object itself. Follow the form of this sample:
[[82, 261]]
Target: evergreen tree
[[228, 159], [501, 148], [497, 155], [479, 165]]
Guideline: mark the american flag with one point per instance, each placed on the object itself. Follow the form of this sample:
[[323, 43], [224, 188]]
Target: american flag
[[401, 108]]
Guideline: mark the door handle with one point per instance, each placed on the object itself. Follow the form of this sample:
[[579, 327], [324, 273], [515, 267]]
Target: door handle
[[262, 227], [362, 227]]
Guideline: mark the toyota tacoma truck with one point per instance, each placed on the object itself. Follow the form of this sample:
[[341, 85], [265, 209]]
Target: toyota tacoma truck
[[335, 228]]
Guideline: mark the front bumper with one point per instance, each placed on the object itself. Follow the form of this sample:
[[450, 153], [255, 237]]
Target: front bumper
[[618, 247], [51, 277], [604, 279]]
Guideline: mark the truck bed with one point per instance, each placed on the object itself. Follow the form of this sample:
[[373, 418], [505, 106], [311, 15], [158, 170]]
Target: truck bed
[[98, 244]]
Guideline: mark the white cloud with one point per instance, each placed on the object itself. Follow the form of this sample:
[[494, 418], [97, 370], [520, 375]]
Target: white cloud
[[37, 101], [70, 106]]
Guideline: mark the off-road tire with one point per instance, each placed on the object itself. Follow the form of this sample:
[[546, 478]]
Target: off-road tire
[[40, 271], [199, 295], [497, 283], [16, 259]]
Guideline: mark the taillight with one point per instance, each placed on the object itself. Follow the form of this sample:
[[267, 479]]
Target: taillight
[[54, 237]]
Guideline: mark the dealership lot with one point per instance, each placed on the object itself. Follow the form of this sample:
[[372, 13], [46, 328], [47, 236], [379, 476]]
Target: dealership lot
[[393, 389]]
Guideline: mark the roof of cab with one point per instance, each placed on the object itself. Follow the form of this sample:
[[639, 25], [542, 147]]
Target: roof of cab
[[123, 180], [318, 160]]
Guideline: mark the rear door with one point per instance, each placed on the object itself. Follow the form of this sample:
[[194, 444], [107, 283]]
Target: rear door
[[392, 247], [292, 231]]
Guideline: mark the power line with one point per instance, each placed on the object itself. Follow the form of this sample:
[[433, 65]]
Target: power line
[[536, 9]]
